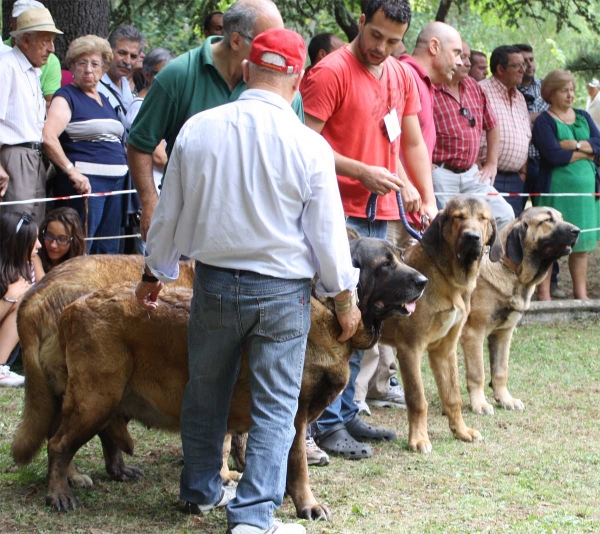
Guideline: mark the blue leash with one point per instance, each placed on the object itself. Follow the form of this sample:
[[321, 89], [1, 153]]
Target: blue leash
[[372, 212]]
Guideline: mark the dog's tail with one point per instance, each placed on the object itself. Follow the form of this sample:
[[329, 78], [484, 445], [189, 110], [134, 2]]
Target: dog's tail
[[40, 404]]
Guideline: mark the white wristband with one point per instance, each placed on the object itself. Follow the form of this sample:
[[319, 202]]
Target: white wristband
[[68, 167]]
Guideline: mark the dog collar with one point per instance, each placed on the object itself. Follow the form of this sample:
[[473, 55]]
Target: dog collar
[[511, 265]]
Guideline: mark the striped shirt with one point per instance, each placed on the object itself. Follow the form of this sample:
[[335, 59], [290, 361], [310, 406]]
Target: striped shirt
[[535, 104], [457, 142], [515, 126], [22, 105]]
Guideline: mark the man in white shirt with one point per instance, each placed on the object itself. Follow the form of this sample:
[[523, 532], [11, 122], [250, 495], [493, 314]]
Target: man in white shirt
[[593, 101], [251, 195], [23, 112], [127, 43]]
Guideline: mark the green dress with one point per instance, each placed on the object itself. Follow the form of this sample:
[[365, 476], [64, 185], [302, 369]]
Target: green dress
[[577, 177]]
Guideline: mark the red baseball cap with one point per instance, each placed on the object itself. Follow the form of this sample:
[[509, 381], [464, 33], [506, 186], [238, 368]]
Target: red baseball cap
[[285, 43]]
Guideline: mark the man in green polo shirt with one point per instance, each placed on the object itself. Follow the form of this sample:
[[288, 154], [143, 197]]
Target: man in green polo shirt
[[51, 75], [201, 79]]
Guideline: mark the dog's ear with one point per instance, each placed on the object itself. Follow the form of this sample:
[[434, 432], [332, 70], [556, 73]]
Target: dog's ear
[[433, 238], [514, 244], [354, 251], [496, 250], [352, 233]]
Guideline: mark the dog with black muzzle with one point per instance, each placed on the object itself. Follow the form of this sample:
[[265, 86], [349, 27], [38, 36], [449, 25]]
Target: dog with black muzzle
[[449, 255], [532, 243]]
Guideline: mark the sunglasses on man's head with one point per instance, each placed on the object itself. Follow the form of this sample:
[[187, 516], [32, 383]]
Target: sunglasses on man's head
[[466, 113], [25, 218]]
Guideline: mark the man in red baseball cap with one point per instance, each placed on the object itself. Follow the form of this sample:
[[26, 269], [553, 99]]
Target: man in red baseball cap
[[271, 180]]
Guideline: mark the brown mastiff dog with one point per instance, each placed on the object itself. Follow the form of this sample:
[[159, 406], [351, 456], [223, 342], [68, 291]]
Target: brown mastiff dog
[[532, 243], [449, 256], [116, 369]]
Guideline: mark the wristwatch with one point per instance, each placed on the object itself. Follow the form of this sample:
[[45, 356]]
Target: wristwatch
[[578, 146], [148, 277]]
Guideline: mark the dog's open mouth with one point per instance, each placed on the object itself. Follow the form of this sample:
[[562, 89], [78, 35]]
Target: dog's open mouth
[[557, 251], [405, 308]]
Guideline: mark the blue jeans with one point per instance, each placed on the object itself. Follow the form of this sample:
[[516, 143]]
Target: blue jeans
[[270, 318], [343, 410], [104, 213], [510, 182]]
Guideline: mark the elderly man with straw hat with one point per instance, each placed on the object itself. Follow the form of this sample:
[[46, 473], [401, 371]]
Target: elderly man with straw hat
[[593, 101], [23, 111], [51, 76]]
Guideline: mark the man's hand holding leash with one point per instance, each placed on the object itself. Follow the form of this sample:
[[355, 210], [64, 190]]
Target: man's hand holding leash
[[347, 313]]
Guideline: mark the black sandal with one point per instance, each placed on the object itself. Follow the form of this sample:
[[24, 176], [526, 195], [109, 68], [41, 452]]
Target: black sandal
[[338, 441], [362, 431]]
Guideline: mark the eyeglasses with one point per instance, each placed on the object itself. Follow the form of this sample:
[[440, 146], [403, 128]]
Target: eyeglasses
[[83, 64], [247, 37], [25, 218], [517, 66], [62, 241], [466, 113]]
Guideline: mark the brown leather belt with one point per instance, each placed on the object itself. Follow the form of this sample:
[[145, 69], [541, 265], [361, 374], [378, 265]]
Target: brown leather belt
[[452, 168]]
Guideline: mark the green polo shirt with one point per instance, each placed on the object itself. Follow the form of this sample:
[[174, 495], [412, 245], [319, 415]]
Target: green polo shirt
[[185, 86], [51, 75]]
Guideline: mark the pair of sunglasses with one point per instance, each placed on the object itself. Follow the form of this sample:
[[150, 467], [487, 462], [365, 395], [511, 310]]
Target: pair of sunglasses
[[466, 113], [25, 219]]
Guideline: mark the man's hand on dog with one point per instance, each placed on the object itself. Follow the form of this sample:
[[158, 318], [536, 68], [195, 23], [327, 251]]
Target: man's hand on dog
[[147, 294], [349, 322]]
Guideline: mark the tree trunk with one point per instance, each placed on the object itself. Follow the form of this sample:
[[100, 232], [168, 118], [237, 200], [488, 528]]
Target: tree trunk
[[73, 17], [345, 19], [443, 9]]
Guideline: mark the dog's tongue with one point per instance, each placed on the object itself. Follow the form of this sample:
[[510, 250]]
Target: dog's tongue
[[411, 306]]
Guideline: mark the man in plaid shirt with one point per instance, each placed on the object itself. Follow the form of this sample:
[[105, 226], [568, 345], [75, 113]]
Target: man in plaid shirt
[[462, 114], [508, 66]]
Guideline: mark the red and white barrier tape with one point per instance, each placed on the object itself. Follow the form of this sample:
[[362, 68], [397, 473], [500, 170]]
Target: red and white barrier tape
[[70, 197], [112, 237]]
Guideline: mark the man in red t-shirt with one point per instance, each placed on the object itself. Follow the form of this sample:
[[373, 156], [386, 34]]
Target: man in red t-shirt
[[365, 104]]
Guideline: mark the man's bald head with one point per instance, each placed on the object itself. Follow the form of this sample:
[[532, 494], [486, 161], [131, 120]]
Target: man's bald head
[[248, 18], [438, 51]]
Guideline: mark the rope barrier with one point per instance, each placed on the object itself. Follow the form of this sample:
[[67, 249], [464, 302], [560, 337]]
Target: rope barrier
[[112, 237], [70, 197]]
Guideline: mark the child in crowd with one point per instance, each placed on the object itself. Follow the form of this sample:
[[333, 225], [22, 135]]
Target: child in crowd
[[20, 267], [61, 236]]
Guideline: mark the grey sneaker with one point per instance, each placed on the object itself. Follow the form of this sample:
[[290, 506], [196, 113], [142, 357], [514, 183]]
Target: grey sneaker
[[314, 455], [277, 527], [393, 399], [363, 408], [556, 292], [227, 493]]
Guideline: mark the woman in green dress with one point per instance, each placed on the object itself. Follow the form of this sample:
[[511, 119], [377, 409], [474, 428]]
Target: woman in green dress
[[568, 140]]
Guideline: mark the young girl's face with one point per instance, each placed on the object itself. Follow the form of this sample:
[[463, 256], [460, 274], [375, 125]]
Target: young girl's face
[[36, 247], [55, 232]]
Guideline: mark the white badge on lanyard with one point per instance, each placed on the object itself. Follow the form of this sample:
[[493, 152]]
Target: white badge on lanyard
[[392, 125]]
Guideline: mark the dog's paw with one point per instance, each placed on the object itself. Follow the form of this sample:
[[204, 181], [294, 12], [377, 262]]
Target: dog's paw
[[423, 446], [483, 408], [232, 478], [468, 434], [125, 473], [314, 512], [80, 480], [62, 501], [511, 404]]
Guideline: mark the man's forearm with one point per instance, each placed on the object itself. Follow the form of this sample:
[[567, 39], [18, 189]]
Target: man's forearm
[[493, 144], [418, 169], [140, 167]]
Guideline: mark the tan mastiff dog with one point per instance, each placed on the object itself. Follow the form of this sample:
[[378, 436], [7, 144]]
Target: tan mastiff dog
[[532, 243], [449, 256]]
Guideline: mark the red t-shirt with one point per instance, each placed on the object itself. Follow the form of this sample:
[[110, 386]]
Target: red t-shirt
[[342, 92]]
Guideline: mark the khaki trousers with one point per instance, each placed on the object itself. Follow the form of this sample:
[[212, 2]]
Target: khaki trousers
[[379, 364], [26, 180]]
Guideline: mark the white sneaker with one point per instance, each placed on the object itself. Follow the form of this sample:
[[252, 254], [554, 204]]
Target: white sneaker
[[228, 493], [393, 399], [277, 527], [9, 379], [363, 407], [314, 455]]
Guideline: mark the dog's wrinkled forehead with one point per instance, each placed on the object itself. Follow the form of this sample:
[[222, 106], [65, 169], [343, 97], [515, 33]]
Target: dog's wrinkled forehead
[[541, 221], [463, 210]]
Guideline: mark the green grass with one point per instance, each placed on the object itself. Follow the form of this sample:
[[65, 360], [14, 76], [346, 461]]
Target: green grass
[[536, 471]]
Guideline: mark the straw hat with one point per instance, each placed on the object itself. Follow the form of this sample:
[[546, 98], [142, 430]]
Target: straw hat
[[35, 20], [594, 83]]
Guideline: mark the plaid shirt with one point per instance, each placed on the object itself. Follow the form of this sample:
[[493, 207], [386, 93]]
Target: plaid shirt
[[457, 142], [535, 104], [515, 126]]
